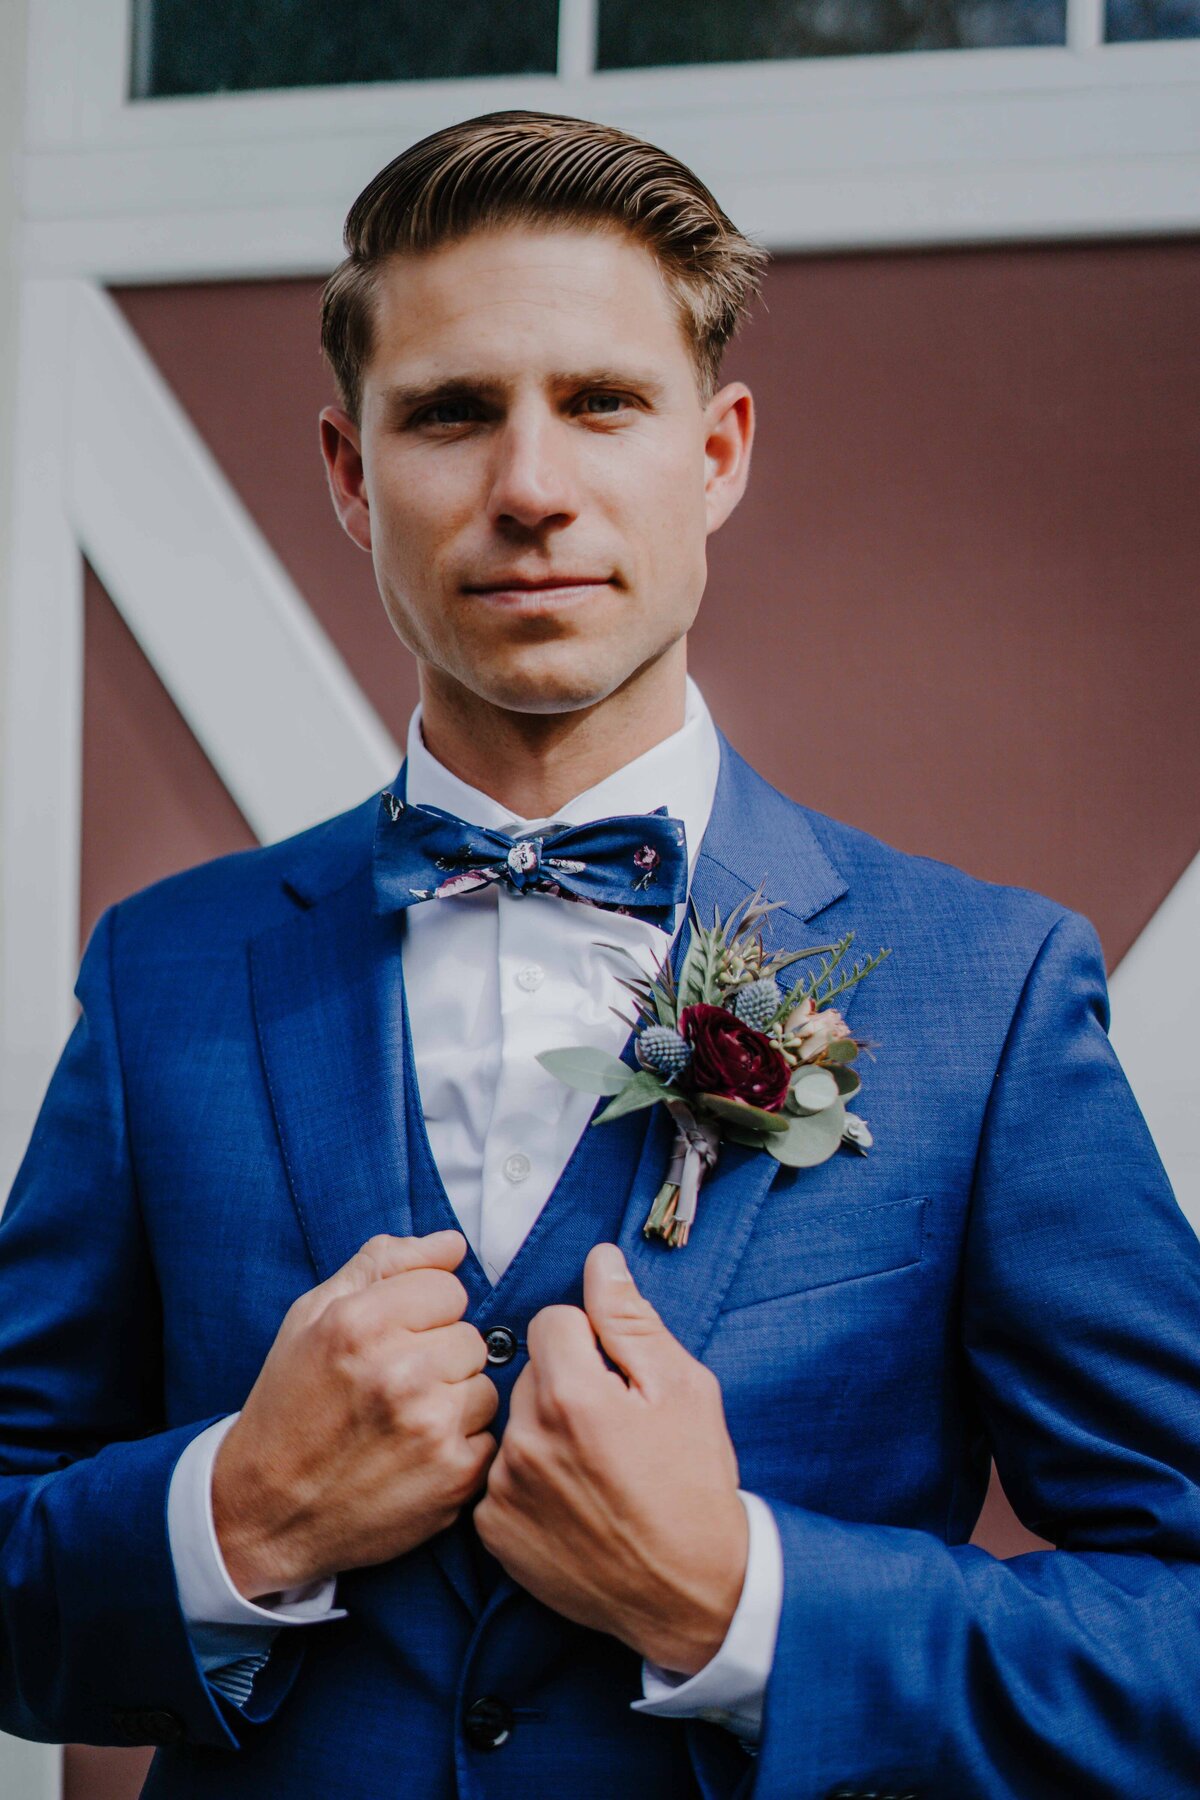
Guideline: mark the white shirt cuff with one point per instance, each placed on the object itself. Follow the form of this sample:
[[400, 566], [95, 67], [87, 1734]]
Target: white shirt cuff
[[207, 1595], [730, 1689]]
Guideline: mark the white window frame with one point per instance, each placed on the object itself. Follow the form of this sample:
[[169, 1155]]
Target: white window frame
[[824, 153]]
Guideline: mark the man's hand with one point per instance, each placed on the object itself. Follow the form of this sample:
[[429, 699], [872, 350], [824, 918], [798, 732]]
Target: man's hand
[[364, 1433], [615, 1501]]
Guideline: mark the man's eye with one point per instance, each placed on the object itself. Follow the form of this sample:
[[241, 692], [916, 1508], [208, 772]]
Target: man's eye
[[617, 401], [444, 412]]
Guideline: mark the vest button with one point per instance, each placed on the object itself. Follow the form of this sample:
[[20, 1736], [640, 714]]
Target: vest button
[[487, 1722], [501, 1343]]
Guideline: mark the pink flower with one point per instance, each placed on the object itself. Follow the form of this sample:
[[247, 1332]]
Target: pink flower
[[816, 1030]]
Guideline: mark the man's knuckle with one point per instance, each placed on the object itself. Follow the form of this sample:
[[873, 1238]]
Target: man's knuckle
[[427, 1418], [563, 1401], [521, 1455], [640, 1322], [339, 1331], [441, 1291], [469, 1343]]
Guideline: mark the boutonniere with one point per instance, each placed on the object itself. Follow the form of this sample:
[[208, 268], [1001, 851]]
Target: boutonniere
[[733, 1054]]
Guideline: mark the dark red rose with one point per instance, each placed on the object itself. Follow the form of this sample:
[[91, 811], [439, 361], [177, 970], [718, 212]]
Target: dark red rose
[[733, 1059]]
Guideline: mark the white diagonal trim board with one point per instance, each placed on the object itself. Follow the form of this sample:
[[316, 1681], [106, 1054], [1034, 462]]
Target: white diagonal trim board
[[267, 695], [1155, 1006]]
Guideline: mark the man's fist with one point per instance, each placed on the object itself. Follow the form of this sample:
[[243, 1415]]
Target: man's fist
[[614, 1496], [365, 1431]]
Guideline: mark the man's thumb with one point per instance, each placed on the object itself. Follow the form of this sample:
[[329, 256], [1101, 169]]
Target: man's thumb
[[629, 1329]]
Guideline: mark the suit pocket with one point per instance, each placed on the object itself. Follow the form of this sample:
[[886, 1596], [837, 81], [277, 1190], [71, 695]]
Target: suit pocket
[[795, 1248]]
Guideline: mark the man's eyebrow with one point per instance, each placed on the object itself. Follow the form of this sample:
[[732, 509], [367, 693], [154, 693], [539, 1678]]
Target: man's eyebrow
[[401, 396]]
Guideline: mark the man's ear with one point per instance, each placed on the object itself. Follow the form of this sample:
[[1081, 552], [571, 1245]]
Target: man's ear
[[341, 447], [729, 423]]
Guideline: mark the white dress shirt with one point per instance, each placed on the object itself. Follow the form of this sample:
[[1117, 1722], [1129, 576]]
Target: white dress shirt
[[490, 980]]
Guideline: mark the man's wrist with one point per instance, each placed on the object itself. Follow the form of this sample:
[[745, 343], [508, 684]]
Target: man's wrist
[[694, 1633], [222, 1621], [251, 1559], [731, 1689]]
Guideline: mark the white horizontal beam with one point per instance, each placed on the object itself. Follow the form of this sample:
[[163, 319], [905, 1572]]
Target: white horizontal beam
[[791, 214]]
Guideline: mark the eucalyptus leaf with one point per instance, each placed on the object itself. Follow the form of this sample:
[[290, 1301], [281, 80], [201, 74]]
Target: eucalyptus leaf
[[740, 1112], [753, 1140], [642, 1089], [810, 1140], [849, 1080], [813, 1089], [590, 1070], [842, 1050]]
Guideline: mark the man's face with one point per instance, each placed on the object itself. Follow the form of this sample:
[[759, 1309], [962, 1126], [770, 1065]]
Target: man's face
[[530, 415]]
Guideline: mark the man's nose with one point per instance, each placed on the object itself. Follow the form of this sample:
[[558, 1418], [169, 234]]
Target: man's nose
[[532, 478]]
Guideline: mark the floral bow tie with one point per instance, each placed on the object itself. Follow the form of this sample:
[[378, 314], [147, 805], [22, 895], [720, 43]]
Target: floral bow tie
[[632, 863]]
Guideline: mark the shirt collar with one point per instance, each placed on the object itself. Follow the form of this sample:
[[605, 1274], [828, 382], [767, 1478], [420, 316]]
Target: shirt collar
[[679, 773]]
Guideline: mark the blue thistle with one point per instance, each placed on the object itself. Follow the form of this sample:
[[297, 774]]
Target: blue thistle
[[757, 1003], [663, 1050]]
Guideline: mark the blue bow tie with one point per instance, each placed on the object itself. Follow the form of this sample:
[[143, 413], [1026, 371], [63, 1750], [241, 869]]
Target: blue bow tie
[[632, 863]]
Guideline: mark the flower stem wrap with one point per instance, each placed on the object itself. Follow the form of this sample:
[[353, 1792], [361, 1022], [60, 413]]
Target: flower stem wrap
[[693, 1154]]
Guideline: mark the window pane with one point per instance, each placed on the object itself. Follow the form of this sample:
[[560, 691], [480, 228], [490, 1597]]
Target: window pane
[[1129, 20], [642, 33], [180, 47]]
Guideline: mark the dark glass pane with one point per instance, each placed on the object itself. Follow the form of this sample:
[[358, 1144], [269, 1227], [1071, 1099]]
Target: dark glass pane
[[217, 46], [1128, 21], [638, 34]]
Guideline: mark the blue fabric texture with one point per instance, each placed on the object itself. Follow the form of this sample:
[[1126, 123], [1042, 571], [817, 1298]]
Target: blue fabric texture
[[634, 863], [1007, 1272]]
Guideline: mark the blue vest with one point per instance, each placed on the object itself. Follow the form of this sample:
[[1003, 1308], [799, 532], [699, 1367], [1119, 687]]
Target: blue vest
[[517, 1634]]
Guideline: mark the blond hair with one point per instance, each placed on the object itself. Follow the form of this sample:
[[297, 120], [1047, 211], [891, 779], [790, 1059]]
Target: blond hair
[[535, 168]]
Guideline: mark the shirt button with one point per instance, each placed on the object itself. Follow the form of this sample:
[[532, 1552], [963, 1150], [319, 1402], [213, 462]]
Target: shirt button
[[530, 977], [517, 1166]]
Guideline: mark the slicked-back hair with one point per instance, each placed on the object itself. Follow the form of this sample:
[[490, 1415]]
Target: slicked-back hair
[[541, 170]]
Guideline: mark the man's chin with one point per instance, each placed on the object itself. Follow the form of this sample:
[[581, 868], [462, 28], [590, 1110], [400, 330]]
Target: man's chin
[[547, 689]]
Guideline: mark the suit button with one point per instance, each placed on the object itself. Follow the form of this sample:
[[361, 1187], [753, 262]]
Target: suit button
[[149, 1725], [501, 1344], [488, 1722]]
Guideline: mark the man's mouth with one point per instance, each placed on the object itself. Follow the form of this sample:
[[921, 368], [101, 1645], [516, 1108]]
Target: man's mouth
[[540, 590]]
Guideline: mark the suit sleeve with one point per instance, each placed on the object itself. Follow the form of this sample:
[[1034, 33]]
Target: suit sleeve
[[907, 1665], [94, 1644]]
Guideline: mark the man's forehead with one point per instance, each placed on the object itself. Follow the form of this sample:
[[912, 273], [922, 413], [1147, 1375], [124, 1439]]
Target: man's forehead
[[537, 282]]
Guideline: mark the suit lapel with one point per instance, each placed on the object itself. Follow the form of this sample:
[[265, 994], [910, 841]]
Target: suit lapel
[[327, 1006], [755, 834]]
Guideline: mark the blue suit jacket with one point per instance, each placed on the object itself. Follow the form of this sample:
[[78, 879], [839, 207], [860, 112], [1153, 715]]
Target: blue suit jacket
[[1007, 1273]]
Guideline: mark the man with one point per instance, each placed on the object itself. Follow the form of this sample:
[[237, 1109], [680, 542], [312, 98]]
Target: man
[[512, 1498]]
